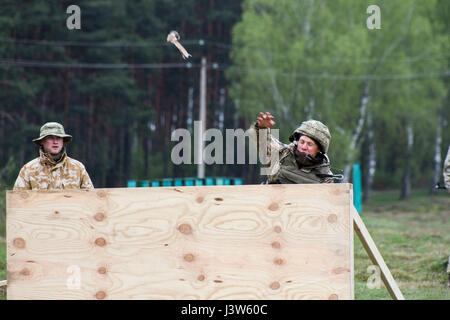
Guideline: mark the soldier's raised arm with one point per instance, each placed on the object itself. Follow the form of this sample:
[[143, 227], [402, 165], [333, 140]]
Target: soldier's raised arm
[[260, 131]]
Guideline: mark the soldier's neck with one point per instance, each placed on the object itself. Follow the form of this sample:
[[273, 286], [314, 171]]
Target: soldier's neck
[[55, 157]]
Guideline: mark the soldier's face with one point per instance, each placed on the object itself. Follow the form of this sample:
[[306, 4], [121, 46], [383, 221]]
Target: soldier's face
[[308, 146], [52, 144]]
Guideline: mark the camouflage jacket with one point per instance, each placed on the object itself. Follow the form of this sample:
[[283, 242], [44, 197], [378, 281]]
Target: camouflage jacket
[[280, 160], [44, 174], [447, 170]]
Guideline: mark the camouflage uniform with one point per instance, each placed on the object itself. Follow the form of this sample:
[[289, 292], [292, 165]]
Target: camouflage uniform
[[44, 173], [286, 169], [447, 170]]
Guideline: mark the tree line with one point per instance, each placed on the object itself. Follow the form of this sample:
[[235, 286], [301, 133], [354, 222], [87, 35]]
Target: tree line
[[384, 92], [121, 90]]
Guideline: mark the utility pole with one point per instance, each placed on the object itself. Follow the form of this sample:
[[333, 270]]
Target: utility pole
[[200, 142]]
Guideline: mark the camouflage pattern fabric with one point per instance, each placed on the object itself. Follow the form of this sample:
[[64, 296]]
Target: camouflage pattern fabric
[[290, 172], [447, 170], [44, 174], [52, 129], [285, 170]]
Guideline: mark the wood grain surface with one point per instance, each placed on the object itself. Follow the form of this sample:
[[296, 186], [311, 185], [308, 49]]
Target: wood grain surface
[[209, 242]]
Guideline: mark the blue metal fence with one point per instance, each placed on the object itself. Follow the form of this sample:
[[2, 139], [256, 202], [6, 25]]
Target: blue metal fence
[[357, 199], [178, 182]]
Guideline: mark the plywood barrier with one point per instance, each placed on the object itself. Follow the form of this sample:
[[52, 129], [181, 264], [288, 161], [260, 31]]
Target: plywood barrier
[[215, 242]]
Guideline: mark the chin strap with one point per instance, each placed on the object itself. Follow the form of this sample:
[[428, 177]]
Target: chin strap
[[336, 177]]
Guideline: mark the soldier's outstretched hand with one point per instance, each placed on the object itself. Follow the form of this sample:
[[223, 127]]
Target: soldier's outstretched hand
[[265, 120]]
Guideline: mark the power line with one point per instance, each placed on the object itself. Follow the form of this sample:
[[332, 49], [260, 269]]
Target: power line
[[146, 43], [219, 67], [108, 44], [203, 42], [365, 77], [44, 64]]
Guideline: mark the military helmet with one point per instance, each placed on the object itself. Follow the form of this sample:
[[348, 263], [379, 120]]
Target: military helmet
[[316, 130], [52, 129]]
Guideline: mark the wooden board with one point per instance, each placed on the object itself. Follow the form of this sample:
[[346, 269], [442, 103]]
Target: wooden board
[[218, 242]]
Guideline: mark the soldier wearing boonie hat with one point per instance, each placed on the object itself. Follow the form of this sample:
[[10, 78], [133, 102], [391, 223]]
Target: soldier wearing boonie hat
[[52, 129], [304, 160], [53, 169]]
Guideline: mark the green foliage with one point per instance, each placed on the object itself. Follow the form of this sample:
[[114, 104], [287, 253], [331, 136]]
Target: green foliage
[[317, 59], [7, 173], [107, 110], [299, 59]]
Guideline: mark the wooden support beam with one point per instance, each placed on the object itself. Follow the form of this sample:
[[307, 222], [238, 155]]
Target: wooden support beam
[[448, 272], [375, 256]]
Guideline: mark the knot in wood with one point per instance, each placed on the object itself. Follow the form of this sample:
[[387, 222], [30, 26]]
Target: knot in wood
[[275, 285], [101, 270], [24, 194], [189, 257], [199, 199], [185, 228], [276, 245], [332, 218], [101, 242], [278, 261], [100, 295], [201, 277], [19, 243], [99, 216], [25, 272], [101, 194], [277, 229]]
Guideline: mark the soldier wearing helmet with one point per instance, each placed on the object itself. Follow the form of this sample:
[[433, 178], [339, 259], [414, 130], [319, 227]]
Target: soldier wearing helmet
[[53, 169], [304, 160]]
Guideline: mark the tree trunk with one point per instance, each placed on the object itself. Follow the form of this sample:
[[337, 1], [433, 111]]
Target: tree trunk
[[126, 156], [90, 130], [437, 154], [365, 100], [310, 108], [190, 114], [371, 160], [406, 180], [221, 124], [67, 94], [44, 106]]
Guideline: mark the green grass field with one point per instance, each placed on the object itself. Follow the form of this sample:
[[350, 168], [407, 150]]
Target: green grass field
[[412, 235]]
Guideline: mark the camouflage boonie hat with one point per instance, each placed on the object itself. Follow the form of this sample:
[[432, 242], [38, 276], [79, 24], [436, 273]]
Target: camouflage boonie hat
[[52, 129], [315, 130]]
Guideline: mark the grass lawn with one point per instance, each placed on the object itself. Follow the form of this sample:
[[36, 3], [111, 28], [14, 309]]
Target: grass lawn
[[412, 235]]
